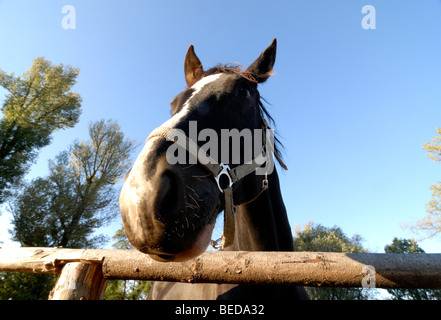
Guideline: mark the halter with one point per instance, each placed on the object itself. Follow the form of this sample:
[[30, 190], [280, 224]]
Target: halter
[[218, 170]]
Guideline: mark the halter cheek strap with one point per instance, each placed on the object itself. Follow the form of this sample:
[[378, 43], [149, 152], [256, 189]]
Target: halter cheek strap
[[218, 170]]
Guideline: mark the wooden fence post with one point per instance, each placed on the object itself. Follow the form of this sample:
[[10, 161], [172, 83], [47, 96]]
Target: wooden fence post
[[79, 281]]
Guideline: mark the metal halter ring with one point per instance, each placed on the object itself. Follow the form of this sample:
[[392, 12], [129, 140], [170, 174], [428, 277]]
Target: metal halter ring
[[224, 171]]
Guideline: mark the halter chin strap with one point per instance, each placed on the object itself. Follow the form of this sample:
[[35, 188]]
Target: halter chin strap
[[218, 170]]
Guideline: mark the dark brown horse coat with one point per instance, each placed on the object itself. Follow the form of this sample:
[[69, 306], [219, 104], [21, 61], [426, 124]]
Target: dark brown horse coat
[[169, 209]]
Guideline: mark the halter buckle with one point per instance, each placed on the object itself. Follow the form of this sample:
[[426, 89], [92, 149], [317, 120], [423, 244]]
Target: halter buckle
[[224, 171], [265, 183], [216, 244]]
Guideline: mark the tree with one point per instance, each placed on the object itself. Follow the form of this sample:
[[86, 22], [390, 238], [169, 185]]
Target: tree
[[403, 246], [66, 207], [315, 237], [431, 224], [78, 195], [409, 246], [37, 104], [25, 286], [125, 289], [323, 239]]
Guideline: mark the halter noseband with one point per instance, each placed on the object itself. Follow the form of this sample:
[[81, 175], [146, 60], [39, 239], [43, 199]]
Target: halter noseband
[[218, 170]]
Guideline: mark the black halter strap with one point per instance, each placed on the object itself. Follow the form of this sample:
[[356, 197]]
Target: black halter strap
[[219, 169]]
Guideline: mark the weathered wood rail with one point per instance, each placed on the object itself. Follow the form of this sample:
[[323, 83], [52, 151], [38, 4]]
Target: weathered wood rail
[[83, 272]]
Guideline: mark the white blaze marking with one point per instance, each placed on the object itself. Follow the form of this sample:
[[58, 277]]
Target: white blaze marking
[[171, 123], [133, 193]]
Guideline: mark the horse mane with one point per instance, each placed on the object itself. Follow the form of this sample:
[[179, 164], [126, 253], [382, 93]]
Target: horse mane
[[232, 68]]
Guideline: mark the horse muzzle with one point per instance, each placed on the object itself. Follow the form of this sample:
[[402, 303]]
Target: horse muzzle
[[161, 216]]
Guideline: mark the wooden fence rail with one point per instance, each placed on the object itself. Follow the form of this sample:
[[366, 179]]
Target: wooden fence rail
[[83, 272]]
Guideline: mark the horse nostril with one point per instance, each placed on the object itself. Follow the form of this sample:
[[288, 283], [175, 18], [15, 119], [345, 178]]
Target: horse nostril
[[168, 182], [169, 195]]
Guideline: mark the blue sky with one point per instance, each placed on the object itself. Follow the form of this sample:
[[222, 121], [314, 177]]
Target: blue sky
[[353, 106]]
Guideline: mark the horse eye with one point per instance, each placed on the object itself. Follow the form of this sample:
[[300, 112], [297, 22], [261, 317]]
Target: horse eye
[[245, 93]]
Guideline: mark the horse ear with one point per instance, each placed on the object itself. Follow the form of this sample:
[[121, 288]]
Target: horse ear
[[262, 68], [192, 67]]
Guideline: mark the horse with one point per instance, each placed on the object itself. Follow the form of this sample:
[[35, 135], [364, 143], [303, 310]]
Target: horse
[[169, 207]]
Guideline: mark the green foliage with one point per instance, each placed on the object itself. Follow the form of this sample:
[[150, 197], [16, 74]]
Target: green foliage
[[78, 195], [66, 207], [320, 238], [37, 104], [431, 223], [125, 289], [25, 286], [433, 147], [121, 240], [410, 247], [317, 238], [403, 246]]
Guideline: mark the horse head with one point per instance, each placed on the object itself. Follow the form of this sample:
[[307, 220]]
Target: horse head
[[186, 174]]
